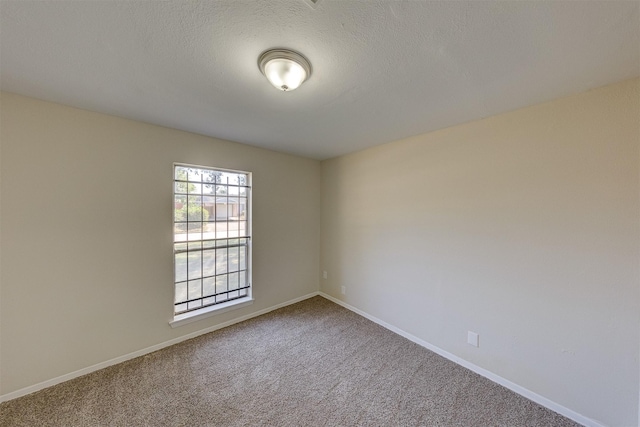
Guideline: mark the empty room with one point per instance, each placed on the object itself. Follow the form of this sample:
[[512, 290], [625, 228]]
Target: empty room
[[320, 213]]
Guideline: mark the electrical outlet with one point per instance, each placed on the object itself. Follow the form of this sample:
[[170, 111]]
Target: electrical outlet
[[324, 275], [343, 289], [473, 339]]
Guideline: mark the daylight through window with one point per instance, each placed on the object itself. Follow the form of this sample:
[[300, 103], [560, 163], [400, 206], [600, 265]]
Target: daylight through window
[[211, 237]]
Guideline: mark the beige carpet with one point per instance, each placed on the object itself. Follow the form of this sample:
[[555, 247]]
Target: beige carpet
[[310, 364]]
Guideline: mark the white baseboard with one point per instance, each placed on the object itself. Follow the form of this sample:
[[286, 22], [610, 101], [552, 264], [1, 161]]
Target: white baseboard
[[541, 400], [120, 359], [588, 422]]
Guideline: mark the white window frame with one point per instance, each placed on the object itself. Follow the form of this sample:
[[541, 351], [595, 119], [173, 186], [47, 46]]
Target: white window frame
[[217, 308]]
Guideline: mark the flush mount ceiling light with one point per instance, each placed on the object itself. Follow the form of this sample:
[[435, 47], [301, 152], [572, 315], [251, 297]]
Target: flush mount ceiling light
[[285, 69]]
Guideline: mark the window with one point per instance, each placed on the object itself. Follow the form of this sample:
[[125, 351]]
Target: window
[[212, 240]]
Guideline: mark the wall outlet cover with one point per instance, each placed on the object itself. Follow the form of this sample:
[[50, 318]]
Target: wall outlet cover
[[473, 339]]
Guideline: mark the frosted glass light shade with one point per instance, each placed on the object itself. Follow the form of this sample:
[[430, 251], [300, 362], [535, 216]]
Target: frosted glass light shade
[[285, 69], [284, 74]]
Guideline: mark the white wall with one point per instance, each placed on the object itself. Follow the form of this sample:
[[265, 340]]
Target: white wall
[[521, 227], [86, 223]]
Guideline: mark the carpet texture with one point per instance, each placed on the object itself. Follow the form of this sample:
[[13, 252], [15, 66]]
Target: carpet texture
[[313, 363]]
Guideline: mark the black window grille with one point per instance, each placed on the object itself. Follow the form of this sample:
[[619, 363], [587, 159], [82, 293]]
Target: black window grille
[[211, 237]]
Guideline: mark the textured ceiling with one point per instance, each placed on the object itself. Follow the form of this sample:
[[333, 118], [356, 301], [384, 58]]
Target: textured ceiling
[[382, 70]]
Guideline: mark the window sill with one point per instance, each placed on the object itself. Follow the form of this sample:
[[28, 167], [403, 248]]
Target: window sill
[[193, 316]]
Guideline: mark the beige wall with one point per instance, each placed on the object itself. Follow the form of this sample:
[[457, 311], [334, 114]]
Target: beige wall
[[87, 237], [521, 227]]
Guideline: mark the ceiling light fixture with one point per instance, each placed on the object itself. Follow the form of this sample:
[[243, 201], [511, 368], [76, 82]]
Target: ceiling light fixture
[[284, 68]]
